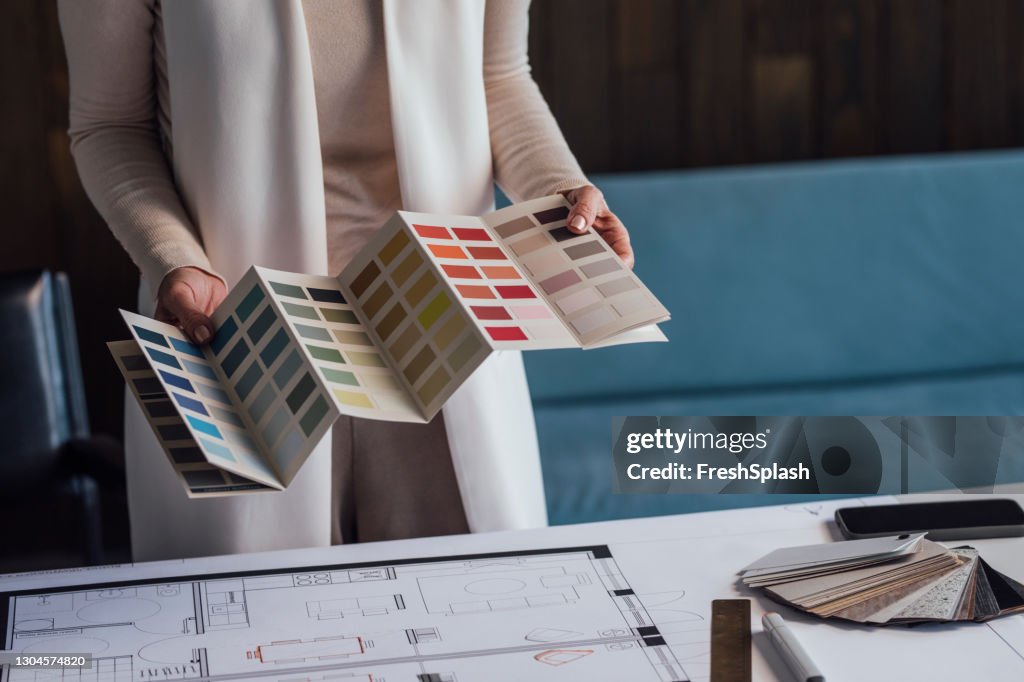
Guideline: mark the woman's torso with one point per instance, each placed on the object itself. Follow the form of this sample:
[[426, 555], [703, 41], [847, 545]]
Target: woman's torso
[[346, 41]]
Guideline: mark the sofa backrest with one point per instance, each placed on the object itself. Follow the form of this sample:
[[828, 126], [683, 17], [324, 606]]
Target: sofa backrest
[[823, 271]]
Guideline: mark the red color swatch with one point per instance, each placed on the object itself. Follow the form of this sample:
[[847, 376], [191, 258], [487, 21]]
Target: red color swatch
[[471, 234], [432, 231], [515, 292], [490, 312], [486, 252], [461, 271], [506, 333]]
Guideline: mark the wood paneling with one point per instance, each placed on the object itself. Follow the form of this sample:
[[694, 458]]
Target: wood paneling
[[718, 82], [47, 221], [635, 84], [979, 66], [578, 37], [644, 71], [910, 61], [849, 73], [715, 98], [782, 121]]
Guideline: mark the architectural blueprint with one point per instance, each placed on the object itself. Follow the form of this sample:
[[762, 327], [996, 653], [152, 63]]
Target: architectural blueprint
[[558, 614], [620, 600]]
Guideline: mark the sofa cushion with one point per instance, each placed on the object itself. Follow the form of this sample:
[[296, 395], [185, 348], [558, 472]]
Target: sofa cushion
[[817, 271], [575, 436]]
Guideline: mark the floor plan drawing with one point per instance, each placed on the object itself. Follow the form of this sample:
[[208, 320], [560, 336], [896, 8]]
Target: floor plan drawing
[[558, 614]]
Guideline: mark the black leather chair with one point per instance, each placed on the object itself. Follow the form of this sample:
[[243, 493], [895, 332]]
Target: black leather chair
[[51, 469]]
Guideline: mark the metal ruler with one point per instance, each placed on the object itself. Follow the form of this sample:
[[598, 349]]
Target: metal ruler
[[730, 640]]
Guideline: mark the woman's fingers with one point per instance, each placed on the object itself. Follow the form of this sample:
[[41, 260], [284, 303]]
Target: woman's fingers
[[187, 297], [180, 301], [616, 235], [587, 205], [590, 210]]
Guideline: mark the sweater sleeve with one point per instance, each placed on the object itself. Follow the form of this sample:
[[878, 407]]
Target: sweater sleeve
[[531, 157], [115, 135]]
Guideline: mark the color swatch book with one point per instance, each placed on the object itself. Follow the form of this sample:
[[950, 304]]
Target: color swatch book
[[884, 581], [392, 337]]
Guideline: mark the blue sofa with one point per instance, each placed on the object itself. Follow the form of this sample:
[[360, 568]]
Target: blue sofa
[[862, 287]]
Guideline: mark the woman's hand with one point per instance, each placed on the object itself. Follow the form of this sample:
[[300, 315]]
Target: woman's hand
[[590, 210], [186, 299]]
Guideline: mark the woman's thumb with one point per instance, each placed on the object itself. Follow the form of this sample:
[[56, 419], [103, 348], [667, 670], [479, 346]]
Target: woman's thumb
[[180, 301]]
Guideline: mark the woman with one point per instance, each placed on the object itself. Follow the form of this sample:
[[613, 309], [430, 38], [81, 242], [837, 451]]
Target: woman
[[217, 134]]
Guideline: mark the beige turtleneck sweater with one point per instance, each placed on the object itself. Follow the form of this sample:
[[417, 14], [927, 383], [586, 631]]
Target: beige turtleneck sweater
[[121, 129]]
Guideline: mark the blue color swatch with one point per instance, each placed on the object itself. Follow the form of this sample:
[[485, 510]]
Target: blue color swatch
[[191, 404], [223, 335], [163, 358], [177, 382], [151, 336], [186, 347], [204, 426]]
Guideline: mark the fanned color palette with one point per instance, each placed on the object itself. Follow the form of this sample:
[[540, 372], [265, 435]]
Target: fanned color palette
[[886, 581], [392, 337]]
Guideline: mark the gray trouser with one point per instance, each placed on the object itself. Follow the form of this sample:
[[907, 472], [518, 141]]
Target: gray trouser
[[392, 480]]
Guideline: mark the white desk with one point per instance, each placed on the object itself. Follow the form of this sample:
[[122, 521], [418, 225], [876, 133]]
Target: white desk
[[681, 562]]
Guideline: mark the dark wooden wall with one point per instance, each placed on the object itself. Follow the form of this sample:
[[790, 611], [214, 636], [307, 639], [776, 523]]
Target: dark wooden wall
[[636, 85], [643, 84], [48, 221]]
